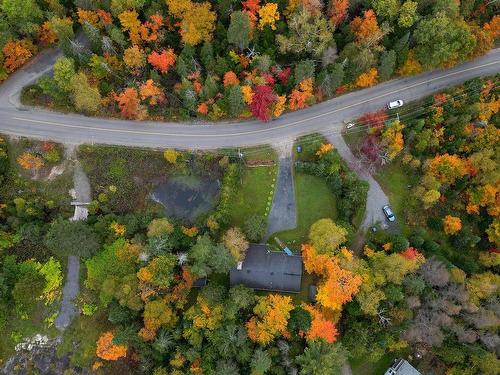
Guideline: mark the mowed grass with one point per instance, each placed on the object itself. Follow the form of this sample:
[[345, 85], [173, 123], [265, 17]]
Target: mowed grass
[[255, 190], [314, 201]]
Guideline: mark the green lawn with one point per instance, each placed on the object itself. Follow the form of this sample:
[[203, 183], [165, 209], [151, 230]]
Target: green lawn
[[314, 201], [255, 190], [394, 181], [363, 367]]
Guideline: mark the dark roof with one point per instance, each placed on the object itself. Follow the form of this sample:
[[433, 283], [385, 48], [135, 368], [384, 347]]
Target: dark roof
[[201, 282], [268, 270]]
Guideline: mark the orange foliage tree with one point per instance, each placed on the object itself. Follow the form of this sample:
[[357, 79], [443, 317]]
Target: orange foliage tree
[[337, 285], [107, 350], [251, 7], [366, 28], [162, 61], [29, 161], [46, 34], [301, 96], [321, 327], [230, 78], [128, 102], [411, 66], [17, 53], [149, 90], [338, 11], [270, 320]]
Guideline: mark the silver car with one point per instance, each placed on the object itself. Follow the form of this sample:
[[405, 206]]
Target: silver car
[[388, 213]]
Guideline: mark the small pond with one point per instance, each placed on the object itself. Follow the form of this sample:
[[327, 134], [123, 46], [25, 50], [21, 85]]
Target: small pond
[[187, 197]]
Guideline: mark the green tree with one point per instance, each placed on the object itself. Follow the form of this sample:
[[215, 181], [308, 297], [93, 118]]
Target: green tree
[[308, 33], [326, 236], [22, 15], [387, 64], [261, 362], [235, 100], [386, 8], [86, 98], [303, 70], [321, 358], [255, 227], [64, 70], [72, 238], [408, 14], [441, 41], [238, 33]]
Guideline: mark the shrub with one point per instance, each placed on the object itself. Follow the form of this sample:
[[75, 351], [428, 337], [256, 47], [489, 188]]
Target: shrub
[[255, 228]]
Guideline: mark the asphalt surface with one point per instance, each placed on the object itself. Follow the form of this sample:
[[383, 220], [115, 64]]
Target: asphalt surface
[[283, 214], [323, 117]]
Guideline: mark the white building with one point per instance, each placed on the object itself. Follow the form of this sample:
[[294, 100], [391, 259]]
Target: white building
[[402, 367]]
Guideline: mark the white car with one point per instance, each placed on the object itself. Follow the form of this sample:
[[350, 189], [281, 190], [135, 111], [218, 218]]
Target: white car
[[388, 213], [349, 125], [395, 104]]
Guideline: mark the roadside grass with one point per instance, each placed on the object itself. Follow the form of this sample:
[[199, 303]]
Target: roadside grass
[[314, 201], [253, 194]]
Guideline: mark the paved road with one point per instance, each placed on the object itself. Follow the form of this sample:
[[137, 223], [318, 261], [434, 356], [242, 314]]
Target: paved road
[[283, 213], [326, 116]]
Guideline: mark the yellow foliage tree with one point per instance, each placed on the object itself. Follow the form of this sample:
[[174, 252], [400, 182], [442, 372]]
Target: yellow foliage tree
[[130, 22], [367, 79], [451, 224], [268, 14], [171, 155]]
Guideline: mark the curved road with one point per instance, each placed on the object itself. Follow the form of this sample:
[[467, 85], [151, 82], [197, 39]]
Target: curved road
[[325, 117]]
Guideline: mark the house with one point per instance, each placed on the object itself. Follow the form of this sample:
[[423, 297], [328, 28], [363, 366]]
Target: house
[[263, 269], [402, 367]]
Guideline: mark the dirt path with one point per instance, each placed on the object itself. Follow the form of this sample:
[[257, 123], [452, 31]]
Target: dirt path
[[283, 214]]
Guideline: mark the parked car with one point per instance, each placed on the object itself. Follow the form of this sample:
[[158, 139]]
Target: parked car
[[349, 125], [388, 213], [395, 104]]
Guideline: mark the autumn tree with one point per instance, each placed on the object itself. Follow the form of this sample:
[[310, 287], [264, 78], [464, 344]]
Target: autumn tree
[[321, 327], [366, 28], [17, 53], [162, 61], [451, 224], [236, 242], [130, 22], [129, 104], [447, 168], [326, 236], [105, 348], [197, 20], [262, 101], [338, 11], [150, 90], [367, 79], [392, 138], [157, 313], [159, 227], [268, 15], [337, 285], [30, 162], [238, 33], [134, 57], [270, 320]]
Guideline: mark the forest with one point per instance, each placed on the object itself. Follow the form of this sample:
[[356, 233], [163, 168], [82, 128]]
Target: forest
[[179, 60]]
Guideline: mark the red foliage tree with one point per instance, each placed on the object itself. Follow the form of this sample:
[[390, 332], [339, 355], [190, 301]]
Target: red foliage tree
[[262, 102], [338, 11], [374, 119]]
